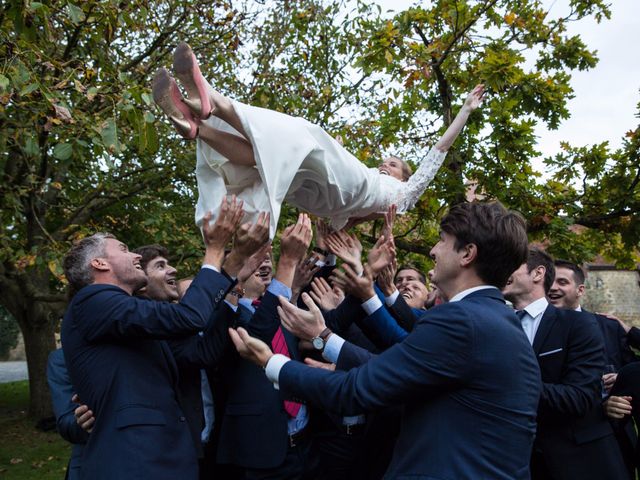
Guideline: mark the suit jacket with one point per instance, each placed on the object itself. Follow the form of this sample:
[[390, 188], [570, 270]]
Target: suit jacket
[[253, 427], [63, 408], [616, 348], [459, 420], [574, 437], [123, 369]]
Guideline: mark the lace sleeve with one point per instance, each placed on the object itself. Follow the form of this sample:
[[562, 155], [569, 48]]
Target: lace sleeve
[[416, 185]]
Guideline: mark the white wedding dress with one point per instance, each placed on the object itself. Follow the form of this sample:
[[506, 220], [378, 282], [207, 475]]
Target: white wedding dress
[[299, 163]]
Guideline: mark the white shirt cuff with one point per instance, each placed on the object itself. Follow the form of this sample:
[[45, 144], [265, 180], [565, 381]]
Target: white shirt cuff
[[274, 365], [391, 299], [332, 348], [210, 267], [371, 305]]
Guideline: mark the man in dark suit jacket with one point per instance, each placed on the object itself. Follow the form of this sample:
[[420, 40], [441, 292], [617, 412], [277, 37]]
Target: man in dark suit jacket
[[63, 408], [117, 360], [574, 439], [459, 420], [566, 292]]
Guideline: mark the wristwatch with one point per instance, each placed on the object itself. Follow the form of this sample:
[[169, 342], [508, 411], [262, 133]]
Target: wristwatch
[[321, 340]]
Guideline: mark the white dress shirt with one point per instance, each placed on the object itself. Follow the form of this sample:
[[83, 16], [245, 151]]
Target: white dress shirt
[[533, 316]]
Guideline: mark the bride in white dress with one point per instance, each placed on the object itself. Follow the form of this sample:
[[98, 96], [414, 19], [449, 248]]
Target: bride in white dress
[[266, 158]]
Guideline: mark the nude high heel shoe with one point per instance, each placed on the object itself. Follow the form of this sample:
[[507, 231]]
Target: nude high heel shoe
[[186, 68], [167, 96]]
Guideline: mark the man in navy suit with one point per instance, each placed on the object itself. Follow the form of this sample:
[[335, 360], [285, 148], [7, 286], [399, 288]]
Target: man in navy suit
[[566, 292], [574, 438], [466, 375], [118, 360]]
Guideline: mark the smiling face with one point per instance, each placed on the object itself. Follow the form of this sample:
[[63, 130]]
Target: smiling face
[[161, 280], [565, 291], [257, 283], [447, 264], [405, 276], [415, 294], [124, 265], [394, 167]]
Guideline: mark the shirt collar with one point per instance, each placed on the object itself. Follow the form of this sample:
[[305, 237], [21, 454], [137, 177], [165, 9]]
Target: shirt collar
[[536, 308], [460, 295]]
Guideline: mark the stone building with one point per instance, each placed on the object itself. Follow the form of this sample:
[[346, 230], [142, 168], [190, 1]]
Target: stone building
[[613, 291]]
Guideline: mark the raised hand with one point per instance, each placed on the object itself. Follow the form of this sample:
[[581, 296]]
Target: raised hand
[[326, 297], [250, 238], [381, 255], [360, 286], [305, 270], [250, 348], [295, 239], [322, 230], [389, 221], [386, 277], [346, 247], [304, 324], [253, 262], [474, 99], [218, 235]]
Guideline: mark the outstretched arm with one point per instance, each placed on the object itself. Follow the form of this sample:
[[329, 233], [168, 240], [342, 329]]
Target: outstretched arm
[[470, 104]]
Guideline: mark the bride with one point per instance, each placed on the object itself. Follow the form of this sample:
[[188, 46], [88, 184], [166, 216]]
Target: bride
[[266, 158]]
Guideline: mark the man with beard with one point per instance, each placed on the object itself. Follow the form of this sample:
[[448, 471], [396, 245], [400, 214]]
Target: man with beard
[[117, 359]]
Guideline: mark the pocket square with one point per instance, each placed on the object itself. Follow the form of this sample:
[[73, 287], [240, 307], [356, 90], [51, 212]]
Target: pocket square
[[550, 352]]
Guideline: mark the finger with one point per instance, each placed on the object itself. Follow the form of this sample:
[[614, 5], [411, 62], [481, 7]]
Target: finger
[[308, 301], [237, 341], [75, 398], [316, 364], [89, 423], [316, 297]]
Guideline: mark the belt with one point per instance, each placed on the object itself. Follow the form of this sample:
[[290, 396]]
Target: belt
[[353, 429]]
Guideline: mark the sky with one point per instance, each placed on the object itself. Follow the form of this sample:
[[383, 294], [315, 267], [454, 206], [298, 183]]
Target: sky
[[606, 96]]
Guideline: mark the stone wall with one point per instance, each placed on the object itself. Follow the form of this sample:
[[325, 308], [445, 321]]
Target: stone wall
[[613, 291]]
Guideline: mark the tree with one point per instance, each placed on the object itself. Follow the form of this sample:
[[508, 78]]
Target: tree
[[81, 149]]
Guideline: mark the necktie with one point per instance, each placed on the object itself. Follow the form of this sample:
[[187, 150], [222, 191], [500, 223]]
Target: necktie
[[520, 314], [279, 345]]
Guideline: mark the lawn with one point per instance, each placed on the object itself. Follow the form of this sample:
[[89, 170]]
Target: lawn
[[25, 452]]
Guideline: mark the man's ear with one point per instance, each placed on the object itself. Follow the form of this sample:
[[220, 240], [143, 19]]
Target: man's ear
[[100, 264], [538, 274], [581, 289], [469, 254]]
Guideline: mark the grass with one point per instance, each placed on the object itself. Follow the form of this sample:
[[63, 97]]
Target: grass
[[25, 452]]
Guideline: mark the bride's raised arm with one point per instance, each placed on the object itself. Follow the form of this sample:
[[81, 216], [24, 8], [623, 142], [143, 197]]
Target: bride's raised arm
[[426, 171]]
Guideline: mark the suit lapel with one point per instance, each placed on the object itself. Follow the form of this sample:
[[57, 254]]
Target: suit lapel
[[546, 323]]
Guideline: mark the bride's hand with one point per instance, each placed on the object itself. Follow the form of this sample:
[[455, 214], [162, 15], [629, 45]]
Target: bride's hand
[[474, 99]]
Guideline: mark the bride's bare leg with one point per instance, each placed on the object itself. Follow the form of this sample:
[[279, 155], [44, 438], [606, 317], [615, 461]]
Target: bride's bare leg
[[222, 108], [236, 149]]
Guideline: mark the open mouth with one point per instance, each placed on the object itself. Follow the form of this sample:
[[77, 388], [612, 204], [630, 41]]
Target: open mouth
[[383, 172], [406, 294], [137, 266], [172, 282], [554, 296]]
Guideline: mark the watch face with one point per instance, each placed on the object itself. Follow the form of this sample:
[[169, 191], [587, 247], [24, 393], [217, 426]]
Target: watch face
[[318, 343]]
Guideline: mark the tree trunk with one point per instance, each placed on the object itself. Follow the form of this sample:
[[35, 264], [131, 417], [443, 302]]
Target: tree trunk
[[39, 341]]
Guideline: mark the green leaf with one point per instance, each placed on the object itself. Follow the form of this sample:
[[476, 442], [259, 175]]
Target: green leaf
[[109, 134], [63, 151], [149, 117], [28, 89], [75, 13], [4, 82], [147, 98]]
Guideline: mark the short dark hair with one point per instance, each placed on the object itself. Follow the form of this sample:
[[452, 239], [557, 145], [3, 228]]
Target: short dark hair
[[410, 266], [537, 258], [77, 262], [149, 252], [500, 236], [578, 273]]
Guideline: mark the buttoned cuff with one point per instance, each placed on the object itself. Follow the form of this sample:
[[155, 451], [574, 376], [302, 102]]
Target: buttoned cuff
[[391, 299], [372, 305], [273, 367], [332, 348]]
